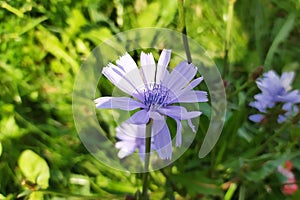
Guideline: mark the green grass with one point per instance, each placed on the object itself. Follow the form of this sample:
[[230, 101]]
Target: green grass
[[42, 45]]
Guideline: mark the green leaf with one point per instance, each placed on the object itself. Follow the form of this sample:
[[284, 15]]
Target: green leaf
[[9, 128], [296, 163], [149, 16], [167, 15], [198, 183], [34, 168], [230, 191], [0, 150], [280, 37], [36, 196], [80, 184], [52, 44], [8, 7], [2, 197], [97, 36], [31, 24], [269, 167], [75, 21], [114, 186]]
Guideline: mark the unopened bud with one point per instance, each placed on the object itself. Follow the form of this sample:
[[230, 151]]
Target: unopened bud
[[257, 73]]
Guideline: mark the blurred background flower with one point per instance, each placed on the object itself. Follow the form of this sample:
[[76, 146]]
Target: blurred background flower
[[275, 91]]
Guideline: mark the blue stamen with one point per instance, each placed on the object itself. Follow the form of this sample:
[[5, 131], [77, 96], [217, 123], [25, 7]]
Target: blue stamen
[[156, 95]]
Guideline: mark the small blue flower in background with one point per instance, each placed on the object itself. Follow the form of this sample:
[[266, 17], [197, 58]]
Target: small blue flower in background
[[154, 90], [275, 90]]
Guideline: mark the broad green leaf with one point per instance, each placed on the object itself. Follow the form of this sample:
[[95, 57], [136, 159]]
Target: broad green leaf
[[167, 15], [34, 168], [2, 197], [149, 16], [0, 150], [9, 128], [36, 196]]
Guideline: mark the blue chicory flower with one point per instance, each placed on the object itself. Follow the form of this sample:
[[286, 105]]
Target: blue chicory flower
[[275, 90], [154, 91]]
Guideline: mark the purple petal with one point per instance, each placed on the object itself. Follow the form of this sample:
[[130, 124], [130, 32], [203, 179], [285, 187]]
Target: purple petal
[[115, 75], [256, 117], [179, 112], [270, 79], [125, 75], [287, 79], [131, 131], [126, 148], [131, 137], [164, 57], [127, 63], [281, 118], [178, 133], [174, 96], [123, 103], [133, 78], [287, 106], [191, 125], [195, 82], [122, 135], [180, 76], [132, 71], [159, 120], [293, 97], [162, 64], [162, 139], [263, 102], [140, 117], [147, 59], [129, 145], [191, 97], [148, 67]]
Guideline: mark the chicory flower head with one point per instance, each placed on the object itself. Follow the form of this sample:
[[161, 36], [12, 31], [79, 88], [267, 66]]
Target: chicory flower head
[[275, 90], [154, 91]]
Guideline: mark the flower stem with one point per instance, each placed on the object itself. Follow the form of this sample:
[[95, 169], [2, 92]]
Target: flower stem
[[183, 31], [228, 36], [272, 137], [147, 161]]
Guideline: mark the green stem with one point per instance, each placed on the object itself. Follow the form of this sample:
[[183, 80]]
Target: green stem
[[147, 161], [184, 32], [284, 127], [228, 36], [272, 137], [62, 194], [245, 85]]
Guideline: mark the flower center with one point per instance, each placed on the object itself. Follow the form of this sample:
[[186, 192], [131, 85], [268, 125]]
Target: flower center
[[156, 96]]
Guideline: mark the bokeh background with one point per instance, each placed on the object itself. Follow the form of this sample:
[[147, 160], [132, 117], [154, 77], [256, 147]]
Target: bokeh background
[[42, 45]]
